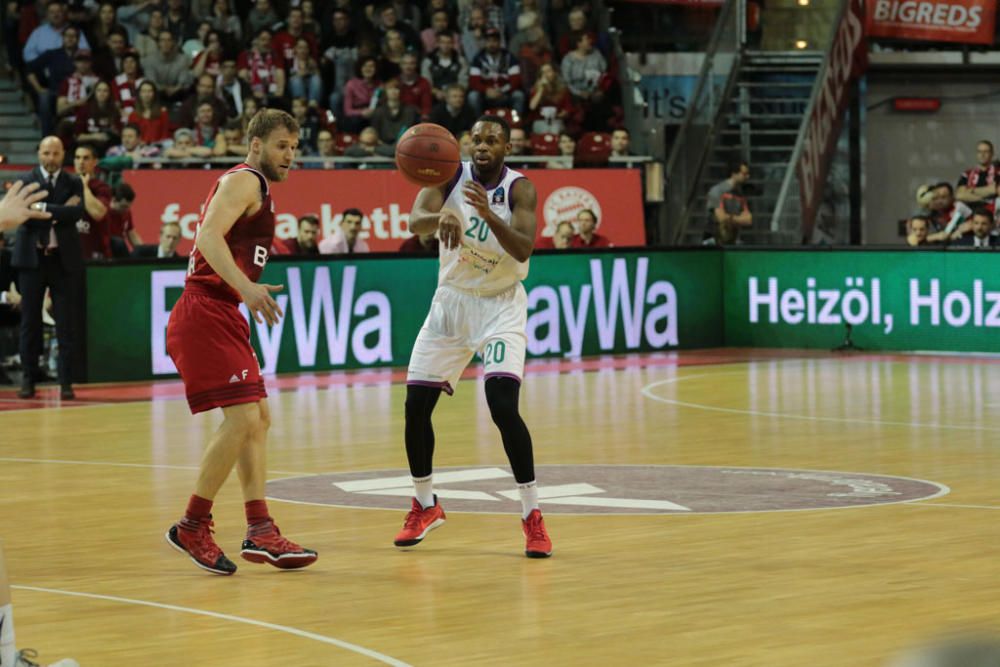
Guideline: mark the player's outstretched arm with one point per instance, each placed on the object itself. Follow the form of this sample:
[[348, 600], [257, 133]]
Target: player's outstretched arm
[[238, 193], [427, 217], [518, 238], [426, 210]]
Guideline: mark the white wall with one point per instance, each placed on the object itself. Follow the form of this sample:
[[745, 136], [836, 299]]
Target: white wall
[[905, 150]]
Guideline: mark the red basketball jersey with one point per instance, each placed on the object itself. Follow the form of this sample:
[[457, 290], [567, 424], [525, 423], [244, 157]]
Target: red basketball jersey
[[249, 241]]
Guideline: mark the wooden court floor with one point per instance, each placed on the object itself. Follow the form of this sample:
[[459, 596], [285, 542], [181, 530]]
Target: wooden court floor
[[759, 509]]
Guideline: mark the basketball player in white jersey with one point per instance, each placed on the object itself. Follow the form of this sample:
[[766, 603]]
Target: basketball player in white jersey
[[485, 220]]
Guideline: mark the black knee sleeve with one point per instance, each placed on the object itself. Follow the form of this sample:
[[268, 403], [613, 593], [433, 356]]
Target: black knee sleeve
[[502, 395], [420, 402]]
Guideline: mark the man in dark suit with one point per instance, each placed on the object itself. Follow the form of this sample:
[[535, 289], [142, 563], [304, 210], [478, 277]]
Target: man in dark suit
[[47, 254], [170, 236], [15, 209], [982, 226]]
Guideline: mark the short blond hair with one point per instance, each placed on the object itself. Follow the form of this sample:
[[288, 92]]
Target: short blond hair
[[266, 121]]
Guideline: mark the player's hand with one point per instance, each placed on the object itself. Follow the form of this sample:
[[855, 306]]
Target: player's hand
[[475, 196], [73, 201], [259, 302], [449, 230], [15, 207]]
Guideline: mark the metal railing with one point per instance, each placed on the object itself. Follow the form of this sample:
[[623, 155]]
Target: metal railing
[[696, 137], [375, 162], [786, 219]]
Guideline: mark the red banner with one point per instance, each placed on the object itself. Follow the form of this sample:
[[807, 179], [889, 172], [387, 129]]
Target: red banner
[[847, 59], [385, 198], [968, 21]]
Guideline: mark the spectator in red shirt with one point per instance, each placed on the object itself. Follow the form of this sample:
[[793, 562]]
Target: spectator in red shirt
[[586, 222], [99, 122], [421, 244], [495, 77], [150, 115], [263, 68], [560, 240], [209, 59], [93, 227], [551, 106], [121, 229], [980, 184], [74, 91], [306, 241], [284, 42], [414, 89], [125, 87]]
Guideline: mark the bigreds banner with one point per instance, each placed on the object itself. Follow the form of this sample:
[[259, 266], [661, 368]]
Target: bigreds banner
[[615, 196], [967, 21]]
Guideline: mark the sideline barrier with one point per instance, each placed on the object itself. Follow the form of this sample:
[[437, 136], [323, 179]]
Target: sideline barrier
[[352, 313], [893, 300]]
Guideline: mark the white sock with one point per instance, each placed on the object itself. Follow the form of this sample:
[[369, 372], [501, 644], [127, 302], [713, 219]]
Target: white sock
[[529, 498], [8, 654], [423, 490]]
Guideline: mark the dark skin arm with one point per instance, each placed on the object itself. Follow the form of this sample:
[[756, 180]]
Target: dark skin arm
[[518, 238], [427, 217]]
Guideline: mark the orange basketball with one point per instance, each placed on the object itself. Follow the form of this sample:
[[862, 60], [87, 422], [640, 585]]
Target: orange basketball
[[427, 155]]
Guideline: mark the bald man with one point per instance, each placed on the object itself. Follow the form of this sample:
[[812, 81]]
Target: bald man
[[47, 255]]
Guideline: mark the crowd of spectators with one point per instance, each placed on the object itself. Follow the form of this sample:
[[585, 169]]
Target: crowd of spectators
[[347, 238], [963, 215], [186, 75], [173, 83]]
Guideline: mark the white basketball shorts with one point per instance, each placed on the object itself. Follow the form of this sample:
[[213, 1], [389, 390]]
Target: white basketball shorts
[[460, 325]]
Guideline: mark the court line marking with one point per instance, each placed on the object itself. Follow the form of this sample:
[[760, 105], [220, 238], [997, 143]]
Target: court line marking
[[942, 490], [116, 464], [647, 391], [920, 503], [333, 641]]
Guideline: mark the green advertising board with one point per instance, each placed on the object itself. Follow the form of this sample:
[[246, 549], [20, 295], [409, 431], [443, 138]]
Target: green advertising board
[[892, 300], [366, 312]]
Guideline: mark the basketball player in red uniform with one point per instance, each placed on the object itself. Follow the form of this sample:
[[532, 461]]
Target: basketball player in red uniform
[[209, 341]]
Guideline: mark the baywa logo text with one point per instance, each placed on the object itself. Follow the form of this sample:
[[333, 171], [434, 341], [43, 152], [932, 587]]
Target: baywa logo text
[[859, 301]]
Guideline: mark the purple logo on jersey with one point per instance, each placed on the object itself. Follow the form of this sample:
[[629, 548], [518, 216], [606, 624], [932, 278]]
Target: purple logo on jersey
[[498, 196]]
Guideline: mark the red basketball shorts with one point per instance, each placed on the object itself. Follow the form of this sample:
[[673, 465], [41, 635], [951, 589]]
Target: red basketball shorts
[[209, 341]]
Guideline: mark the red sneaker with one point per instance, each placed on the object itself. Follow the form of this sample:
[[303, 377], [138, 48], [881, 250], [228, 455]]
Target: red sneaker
[[265, 544], [538, 543], [200, 546], [419, 522]]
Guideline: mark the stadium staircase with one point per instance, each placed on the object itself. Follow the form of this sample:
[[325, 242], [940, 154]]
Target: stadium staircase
[[19, 132], [761, 120]]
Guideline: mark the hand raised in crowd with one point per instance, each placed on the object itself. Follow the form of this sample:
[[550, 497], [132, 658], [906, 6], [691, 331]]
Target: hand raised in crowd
[[257, 297], [449, 230]]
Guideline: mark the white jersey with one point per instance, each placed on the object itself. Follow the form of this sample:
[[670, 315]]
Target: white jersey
[[480, 264]]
